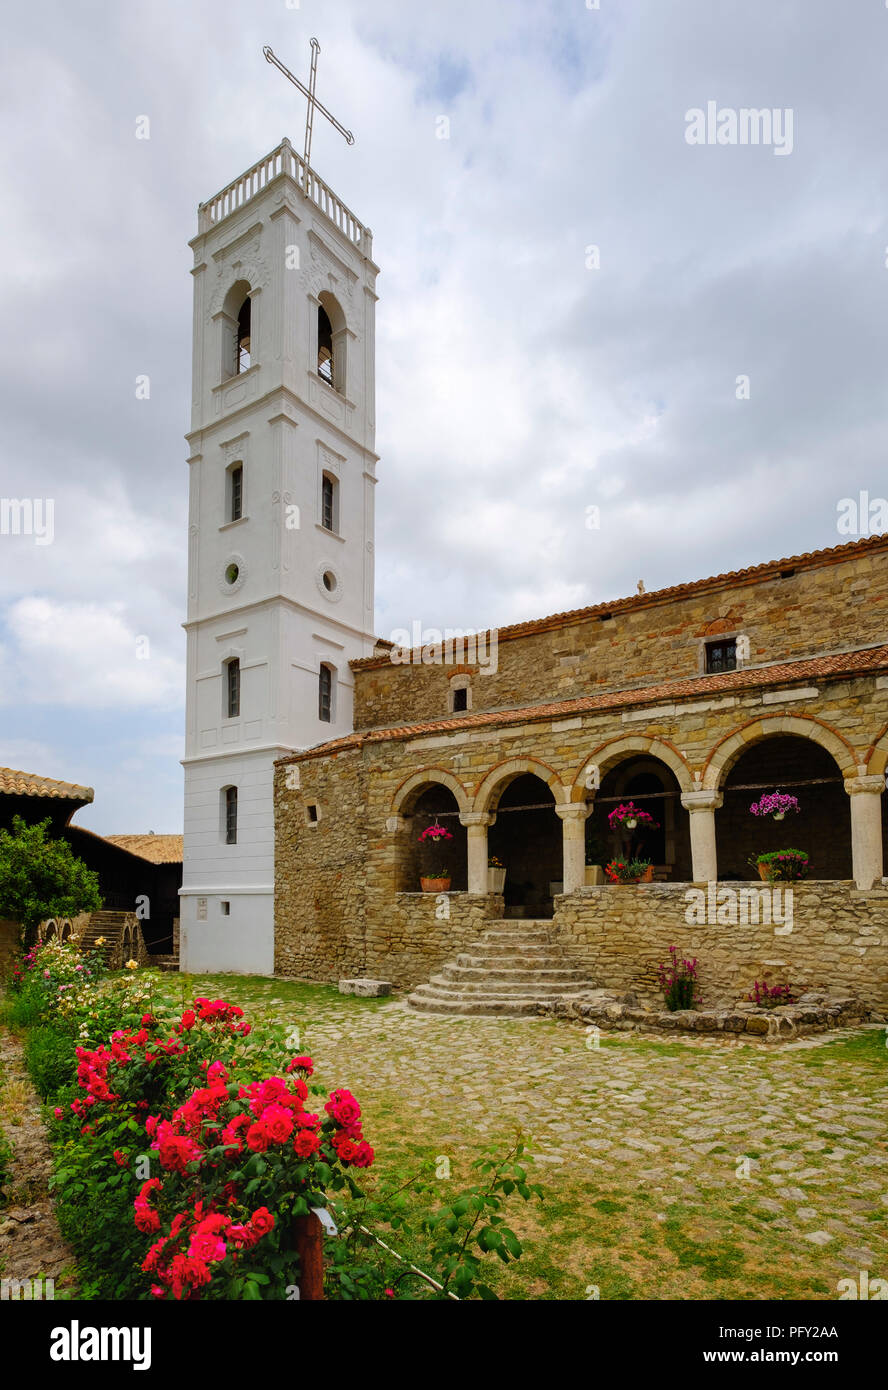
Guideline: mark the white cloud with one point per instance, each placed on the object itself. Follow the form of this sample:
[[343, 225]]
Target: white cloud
[[85, 655]]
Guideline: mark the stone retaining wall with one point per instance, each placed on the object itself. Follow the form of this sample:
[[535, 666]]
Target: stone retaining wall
[[422, 931], [837, 938]]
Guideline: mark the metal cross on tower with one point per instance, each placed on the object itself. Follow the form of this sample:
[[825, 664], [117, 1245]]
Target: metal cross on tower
[[309, 92]]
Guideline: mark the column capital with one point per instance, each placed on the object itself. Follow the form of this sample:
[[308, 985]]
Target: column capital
[[857, 786], [702, 800], [470, 818], [574, 810]]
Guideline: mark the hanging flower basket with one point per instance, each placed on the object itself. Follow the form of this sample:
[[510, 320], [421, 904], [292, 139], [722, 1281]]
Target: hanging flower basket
[[776, 805], [433, 834], [630, 816]]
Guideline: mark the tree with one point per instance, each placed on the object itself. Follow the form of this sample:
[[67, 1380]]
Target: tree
[[41, 877]]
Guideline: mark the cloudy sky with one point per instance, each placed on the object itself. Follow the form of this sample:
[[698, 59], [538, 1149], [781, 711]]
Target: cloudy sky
[[525, 377]]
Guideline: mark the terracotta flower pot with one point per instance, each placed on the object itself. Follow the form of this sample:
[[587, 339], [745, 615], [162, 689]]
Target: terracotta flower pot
[[764, 872], [435, 885]]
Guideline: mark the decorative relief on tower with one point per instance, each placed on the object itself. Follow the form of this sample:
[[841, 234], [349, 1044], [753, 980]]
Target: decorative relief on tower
[[325, 271], [235, 450], [253, 269], [232, 573], [329, 581]]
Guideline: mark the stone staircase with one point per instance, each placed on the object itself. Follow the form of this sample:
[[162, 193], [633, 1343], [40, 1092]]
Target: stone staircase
[[512, 970], [166, 963], [111, 926]]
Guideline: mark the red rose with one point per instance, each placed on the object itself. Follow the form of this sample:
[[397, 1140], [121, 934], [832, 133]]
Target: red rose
[[262, 1221], [306, 1143], [257, 1138]]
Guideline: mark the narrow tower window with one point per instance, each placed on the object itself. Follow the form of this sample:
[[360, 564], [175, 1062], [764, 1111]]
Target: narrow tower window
[[325, 346], [460, 700], [329, 500], [325, 694], [243, 336], [231, 815], [232, 700], [236, 493]]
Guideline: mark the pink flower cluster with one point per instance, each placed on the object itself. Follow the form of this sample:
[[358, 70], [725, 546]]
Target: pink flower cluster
[[775, 803]]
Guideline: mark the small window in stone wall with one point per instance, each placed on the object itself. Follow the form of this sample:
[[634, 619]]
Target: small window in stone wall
[[721, 656], [459, 696], [226, 908], [312, 813]]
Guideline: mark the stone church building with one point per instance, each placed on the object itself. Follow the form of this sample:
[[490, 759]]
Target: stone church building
[[317, 754]]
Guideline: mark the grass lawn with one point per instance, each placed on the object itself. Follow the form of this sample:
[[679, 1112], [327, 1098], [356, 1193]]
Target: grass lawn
[[687, 1169]]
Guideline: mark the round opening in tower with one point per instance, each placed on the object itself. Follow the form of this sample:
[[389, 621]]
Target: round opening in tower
[[231, 574], [329, 581]]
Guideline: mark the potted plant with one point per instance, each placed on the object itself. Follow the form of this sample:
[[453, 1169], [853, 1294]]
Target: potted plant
[[438, 880], [496, 875], [595, 855], [629, 871], [781, 865], [776, 805]]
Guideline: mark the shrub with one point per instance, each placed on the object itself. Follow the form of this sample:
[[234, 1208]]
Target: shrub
[[768, 996], [678, 981], [41, 877], [49, 1060]]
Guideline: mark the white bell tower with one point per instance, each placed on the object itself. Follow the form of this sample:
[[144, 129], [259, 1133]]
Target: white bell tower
[[280, 535]]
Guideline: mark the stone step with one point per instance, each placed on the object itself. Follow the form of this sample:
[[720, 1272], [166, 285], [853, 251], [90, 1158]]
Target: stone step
[[517, 930], [479, 961], [460, 972], [504, 945], [434, 999], [488, 985]]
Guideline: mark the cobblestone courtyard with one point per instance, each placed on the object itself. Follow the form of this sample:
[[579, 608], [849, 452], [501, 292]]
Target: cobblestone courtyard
[[687, 1169]]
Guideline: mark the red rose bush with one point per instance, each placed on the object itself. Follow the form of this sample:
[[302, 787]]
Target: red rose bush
[[232, 1164]]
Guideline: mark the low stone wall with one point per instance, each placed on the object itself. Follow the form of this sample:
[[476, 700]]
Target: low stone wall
[[829, 936], [811, 1013], [422, 931]]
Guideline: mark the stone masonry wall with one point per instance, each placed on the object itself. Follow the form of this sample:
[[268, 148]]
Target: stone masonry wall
[[339, 910], [320, 870], [829, 607], [419, 932], [838, 940]]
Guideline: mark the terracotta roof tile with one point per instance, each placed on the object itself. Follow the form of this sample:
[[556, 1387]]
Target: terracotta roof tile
[[754, 574], [858, 663], [14, 783], [160, 849]]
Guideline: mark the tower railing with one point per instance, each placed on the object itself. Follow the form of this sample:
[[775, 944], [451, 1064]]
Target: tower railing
[[285, 160]]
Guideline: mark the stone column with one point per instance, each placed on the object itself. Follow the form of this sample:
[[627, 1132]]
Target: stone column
[[476, 823], [573, 829], [701, 807], [866, 829]]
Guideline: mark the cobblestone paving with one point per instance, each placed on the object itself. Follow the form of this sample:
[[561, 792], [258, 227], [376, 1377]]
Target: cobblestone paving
[[782, 1147]]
